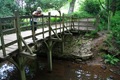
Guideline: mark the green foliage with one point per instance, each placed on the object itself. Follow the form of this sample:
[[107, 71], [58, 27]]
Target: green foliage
[[118, 5], [7, 8], [53, 19], [111, 59], [102, 26], [91, 6], [115, 31], [115, 21], [92, 34], [69, 0], [116, 35], [103, 16], [80, 14], [31, 5], [54, 4]]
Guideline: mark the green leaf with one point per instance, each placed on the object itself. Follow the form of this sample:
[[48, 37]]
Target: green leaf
[[106, 60], [69, 0], [116, 60], [112, 62]]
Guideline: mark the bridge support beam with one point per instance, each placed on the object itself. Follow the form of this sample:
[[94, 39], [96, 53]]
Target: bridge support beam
[[18, 61], [63, 43], [63, 35], [49, 45], [21, 67], [50, 55]]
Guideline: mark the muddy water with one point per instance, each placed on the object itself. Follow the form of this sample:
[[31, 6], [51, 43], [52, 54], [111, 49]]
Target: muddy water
[[62, 70], [67, 70]]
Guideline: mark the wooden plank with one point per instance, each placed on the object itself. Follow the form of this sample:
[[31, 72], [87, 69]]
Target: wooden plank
[[67, 33], [12, 39], [26, 54], [56, 39]]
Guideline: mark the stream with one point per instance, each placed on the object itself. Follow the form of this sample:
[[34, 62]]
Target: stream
[[92, 69], [62, 70]]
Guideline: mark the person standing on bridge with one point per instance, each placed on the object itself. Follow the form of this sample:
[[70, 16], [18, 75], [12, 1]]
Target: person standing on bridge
[[37, 12]]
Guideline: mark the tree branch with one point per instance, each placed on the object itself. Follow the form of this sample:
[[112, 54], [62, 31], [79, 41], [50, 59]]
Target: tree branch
[[102, 5]]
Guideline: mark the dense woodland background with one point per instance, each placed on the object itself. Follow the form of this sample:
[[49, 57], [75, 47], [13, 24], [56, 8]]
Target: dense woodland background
[[107, 10]]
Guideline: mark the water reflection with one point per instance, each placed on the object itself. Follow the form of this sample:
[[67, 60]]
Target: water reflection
[[5, 70], [85, 75], [29, 72], [62, 70]]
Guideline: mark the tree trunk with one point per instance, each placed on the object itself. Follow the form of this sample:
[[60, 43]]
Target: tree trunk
[[109, 14], [71, 7]]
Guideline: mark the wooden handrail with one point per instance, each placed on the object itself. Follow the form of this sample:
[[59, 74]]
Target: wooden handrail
[[45, 20]]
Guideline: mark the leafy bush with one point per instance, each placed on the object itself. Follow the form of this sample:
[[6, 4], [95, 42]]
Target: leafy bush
[[92, 34], [116, 35], [80, 14], [115, 24], [115, 21], [91, 6], [55, 19], [102, 26], [111, 59]]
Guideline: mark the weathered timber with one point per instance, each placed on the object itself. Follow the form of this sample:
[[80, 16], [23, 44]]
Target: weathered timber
[[48, 31], [28, 55], [2, 41]]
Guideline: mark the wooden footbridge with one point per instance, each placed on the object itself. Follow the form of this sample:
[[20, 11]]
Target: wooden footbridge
[[17, 35]]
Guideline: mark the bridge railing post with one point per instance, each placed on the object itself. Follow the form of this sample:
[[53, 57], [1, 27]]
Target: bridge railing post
[[43, 26], [19, 57], [33, 31], [87, 23], [78, 23], [2, 41], [97, 21], [49, 25], [72, 21], [18, 31], [56, 23], [60, 21], [63, 23]]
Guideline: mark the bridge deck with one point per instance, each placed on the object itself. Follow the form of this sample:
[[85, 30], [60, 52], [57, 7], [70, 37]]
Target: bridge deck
[[12, 37], [84, 24]]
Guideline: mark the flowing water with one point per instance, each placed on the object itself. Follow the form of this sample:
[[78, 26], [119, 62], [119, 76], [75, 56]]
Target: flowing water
[[62, 70]]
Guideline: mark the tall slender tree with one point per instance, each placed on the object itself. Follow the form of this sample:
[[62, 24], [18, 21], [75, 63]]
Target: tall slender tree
[[110, 7], [72, 5]]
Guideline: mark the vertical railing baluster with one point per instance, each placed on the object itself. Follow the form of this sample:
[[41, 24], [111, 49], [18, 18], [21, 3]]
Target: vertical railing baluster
[[60, 22], [56, 23], [78, 23], [2, 40], [63, 22], [43, 26], [71, 22], [87, 24]]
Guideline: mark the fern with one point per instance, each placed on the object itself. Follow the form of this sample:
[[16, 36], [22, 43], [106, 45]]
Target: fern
[[111, 59]]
